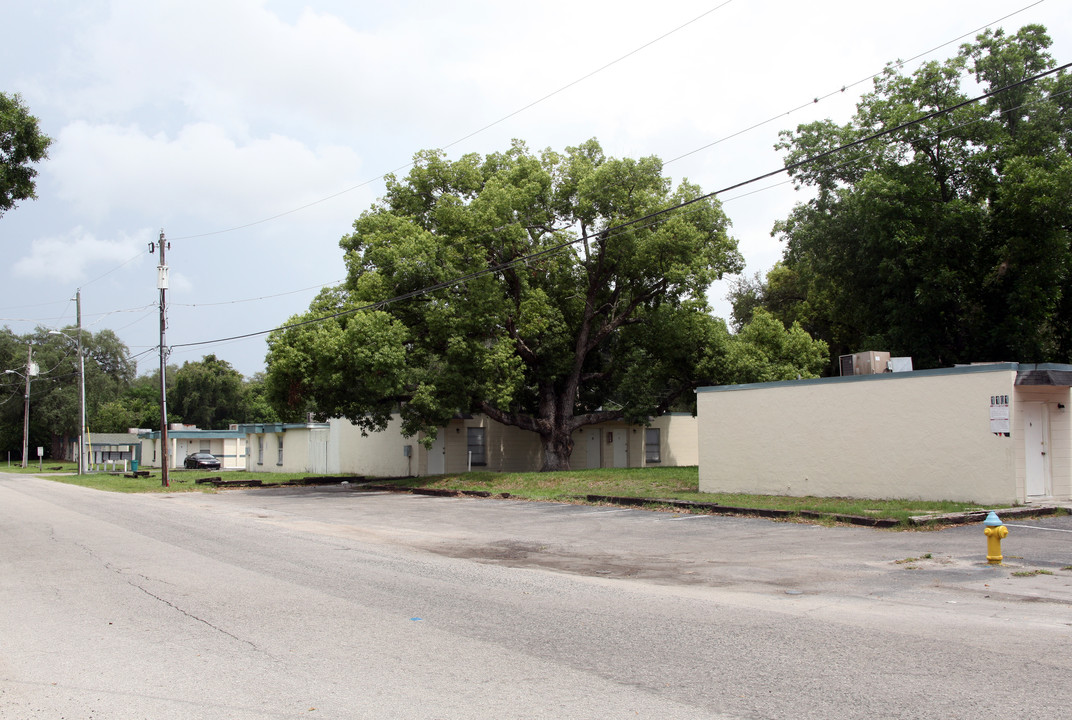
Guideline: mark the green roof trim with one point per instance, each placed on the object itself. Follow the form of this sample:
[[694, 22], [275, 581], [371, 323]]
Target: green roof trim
[[257, 428], [186, 434], [889, 376]]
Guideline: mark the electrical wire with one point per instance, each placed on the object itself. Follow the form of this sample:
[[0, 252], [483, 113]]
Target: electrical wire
[[815, 100], [534, 103], [100, 316], [117, 267], [617, 228], [819, 98], [20, 307], [263, 297], [141, 308], [900, 63], [134, 322], [463, 138]]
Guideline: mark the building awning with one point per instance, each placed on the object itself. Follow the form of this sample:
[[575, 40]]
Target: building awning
[[1059, 377]]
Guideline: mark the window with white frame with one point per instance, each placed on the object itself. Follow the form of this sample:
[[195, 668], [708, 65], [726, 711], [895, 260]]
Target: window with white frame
[[651, 445], [475, 438], [279, 439], [260, 449]]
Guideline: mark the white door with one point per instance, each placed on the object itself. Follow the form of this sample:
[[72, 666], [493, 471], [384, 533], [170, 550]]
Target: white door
[[621, 448], [437, 454], [318, 451], [591, 457], [1036, 444]]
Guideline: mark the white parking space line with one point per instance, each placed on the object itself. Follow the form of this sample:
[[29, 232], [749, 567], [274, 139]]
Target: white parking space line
[[1036, 527], [605, 512]]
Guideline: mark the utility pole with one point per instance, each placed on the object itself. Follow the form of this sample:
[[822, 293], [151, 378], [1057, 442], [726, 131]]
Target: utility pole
[[26, 408], [162, 284], [81, 387], [31, 370]]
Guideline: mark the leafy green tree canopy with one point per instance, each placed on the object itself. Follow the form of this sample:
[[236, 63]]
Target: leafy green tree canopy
[[138, 406], [21, 144], [948, 241], [54, 393], [208, 393], [576, 307]]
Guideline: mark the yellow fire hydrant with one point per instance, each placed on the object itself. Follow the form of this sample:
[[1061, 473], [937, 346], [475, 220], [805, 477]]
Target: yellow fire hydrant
[[995, 531]]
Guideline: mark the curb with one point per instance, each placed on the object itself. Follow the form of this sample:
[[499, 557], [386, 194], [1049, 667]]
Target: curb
[[980, 515], [917, 520], [717, 509]]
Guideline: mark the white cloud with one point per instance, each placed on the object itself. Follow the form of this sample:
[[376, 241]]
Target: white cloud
[[196, 116], [180, 281], [70, 257], [239, 64], [201, 173]]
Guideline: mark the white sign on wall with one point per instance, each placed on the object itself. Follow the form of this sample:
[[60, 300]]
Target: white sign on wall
[[999, 414]]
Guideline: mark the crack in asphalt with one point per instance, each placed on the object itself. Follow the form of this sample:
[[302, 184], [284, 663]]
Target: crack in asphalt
[[190, 615], [126, 576]]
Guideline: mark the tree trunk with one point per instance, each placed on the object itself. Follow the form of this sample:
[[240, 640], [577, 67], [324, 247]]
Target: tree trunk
[[557, 449]]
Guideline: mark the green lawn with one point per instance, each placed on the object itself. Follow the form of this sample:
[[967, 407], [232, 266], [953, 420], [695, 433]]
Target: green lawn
[[656, 483], [673, 483], [180, 480]]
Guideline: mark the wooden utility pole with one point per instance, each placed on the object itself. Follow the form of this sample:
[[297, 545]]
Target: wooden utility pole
[[162, 284], [26, 407], [81, 388]]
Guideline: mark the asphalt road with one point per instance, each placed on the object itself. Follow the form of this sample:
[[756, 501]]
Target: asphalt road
[[336, 603]]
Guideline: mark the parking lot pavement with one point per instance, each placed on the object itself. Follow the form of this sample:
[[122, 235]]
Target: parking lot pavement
[[945, 566]]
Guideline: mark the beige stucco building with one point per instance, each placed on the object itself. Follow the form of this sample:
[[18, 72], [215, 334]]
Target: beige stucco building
[[476, 442], [229, 446], [994, 434]]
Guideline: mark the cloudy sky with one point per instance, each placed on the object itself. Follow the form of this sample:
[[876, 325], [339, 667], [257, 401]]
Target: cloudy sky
[[253, 132]]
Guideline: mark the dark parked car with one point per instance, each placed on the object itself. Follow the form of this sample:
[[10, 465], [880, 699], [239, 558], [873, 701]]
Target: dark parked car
[[198, 461]]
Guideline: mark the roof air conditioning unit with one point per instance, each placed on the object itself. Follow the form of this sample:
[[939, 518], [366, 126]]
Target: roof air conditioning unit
[[865, 363]]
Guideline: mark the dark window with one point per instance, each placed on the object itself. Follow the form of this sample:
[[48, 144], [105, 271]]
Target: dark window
[[475, 438], [651, 445]]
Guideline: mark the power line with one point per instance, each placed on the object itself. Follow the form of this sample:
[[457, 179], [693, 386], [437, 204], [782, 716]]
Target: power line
[[465, 137], [516, 112], [117, 267], [262, 297], [819, 98], [581, 79], [530, 105], [615, 228], [585, 77]]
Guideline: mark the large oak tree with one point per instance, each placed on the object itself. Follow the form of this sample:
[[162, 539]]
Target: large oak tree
[[568, 315], [558, 301]]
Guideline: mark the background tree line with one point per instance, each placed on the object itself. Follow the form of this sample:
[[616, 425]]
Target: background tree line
[[948, 241], [208, 393]]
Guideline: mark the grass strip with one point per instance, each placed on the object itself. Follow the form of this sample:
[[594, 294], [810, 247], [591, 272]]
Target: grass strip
[[673, 488]]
